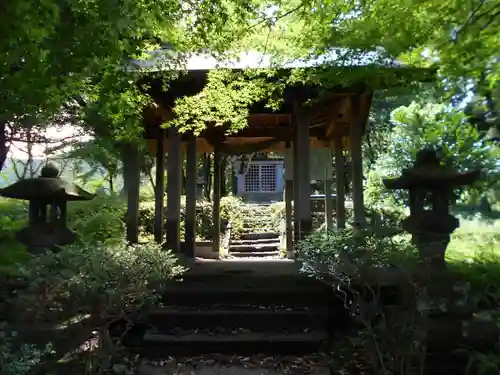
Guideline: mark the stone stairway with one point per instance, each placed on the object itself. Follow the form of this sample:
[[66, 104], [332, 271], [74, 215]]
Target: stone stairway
[[259, 238], [239, 314]]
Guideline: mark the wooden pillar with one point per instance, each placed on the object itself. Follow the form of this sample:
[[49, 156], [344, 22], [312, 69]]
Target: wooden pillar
[[191, 173], [328, 203], [340, 182], [289, 206], [216, 200], [174, 189], [131, 181], [356, 138], [302, 182], [159, 187], [295, 191]]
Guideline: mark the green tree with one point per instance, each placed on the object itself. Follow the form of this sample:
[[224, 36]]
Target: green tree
[[62, 49], [446, 130]]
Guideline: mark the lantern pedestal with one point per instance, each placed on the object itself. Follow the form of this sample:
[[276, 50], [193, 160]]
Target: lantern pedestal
[[46, 236]]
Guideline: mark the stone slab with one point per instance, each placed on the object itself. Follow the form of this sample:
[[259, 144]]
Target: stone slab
[[215, 369]]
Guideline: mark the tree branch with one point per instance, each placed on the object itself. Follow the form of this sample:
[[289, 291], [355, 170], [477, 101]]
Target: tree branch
[[274, 19]]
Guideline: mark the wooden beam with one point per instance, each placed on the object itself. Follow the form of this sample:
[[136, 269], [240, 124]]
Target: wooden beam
[[174, 189], [159, 187], [131, 182], [289, 209], [283, 132], [191, 174], [329, 203], [356, 139], [341, 107], [302, 182], [295, 191], [339, 183], [216, 201]]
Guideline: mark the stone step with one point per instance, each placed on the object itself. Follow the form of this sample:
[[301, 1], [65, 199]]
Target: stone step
[[155, 344], [254, 254], [254, 219], [258, 226], [254, 247], [256, 318], [248, 227], [240, 313], [257, 242], [256, 235], [245, 289]]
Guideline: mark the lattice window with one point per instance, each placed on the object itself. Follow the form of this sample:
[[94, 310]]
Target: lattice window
[[268, 178], [252, 180], [261, 178]]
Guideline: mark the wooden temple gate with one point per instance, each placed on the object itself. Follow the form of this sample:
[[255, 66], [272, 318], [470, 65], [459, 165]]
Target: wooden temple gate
[[337, 121]]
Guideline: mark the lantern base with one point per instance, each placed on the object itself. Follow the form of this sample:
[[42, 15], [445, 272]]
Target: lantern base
[[45, 237]]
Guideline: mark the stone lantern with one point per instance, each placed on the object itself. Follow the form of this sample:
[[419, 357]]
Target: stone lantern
[[444, 301], [200, 185], [47, 196], [430, 187]]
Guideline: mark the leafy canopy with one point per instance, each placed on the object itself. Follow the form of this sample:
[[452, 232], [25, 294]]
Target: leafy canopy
[[434, 126]]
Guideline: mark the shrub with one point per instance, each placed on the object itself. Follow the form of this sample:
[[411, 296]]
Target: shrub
[[108, 283], [89, 277], [98, 220], [99, 275], [204, 217], [20, 361], [349, 260], [278, 210], [13, 217], [346, 253], [231, 209]]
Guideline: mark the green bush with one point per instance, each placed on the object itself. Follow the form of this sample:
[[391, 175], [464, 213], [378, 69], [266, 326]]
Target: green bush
[[346, 253], [99, 276], [13, 217], [83, 288], [278, 210], [98, 220], [89, 277], [231, 210], [204, 217], [20, 360]]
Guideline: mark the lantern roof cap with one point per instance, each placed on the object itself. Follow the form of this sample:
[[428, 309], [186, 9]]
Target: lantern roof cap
[[427, 172], [47, 187]]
